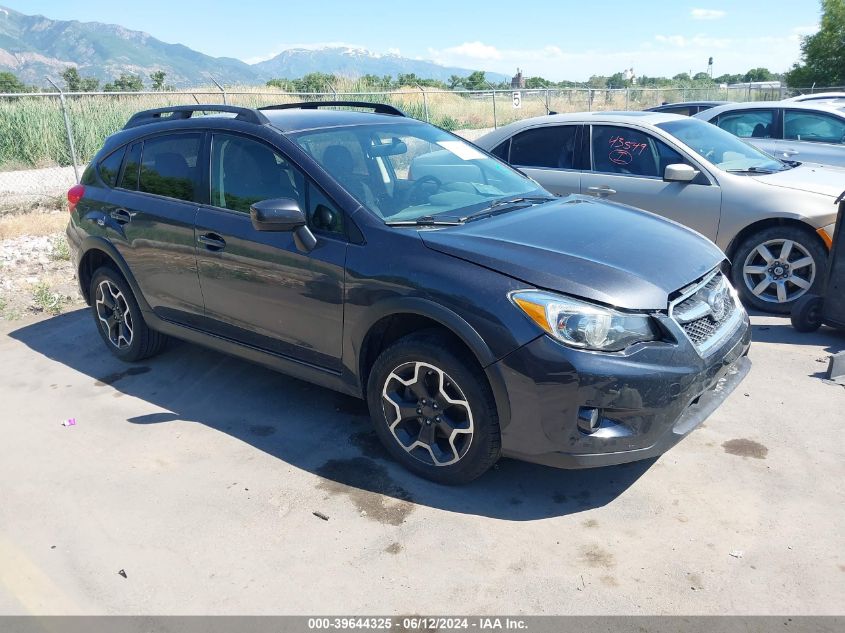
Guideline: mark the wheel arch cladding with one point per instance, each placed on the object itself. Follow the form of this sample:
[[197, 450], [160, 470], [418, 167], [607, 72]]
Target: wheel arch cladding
[[96, 253], [415, 315]]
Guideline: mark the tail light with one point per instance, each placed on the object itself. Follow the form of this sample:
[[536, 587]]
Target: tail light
[[74, 195]]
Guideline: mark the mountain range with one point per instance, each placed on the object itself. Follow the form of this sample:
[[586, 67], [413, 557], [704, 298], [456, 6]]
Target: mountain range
[[33, 46]]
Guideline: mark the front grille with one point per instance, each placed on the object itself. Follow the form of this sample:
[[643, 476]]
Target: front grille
[[706, 311]]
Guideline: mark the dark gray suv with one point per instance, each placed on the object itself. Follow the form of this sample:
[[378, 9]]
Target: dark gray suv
[[385, 258]]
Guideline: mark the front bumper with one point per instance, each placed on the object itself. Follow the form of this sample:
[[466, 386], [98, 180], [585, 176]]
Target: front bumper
[[650, 398]]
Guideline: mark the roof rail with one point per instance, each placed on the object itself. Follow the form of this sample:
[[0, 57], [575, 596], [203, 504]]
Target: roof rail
[[379, 108], [186, 111]]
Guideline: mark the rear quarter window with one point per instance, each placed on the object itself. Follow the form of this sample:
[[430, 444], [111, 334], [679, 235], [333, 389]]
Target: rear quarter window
[[109, 167], [169, 166]]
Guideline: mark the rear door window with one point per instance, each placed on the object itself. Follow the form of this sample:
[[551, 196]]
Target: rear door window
[[549, 146], [801, 125], [169, 166], [749, 123], [626, 151]]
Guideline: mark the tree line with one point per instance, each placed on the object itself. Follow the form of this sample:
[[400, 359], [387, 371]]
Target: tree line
[[75, 82]]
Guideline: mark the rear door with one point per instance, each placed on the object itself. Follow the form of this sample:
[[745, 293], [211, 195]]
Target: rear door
[[151, 220], [259, 288], [816, 137], [549, 155], [628, 166]]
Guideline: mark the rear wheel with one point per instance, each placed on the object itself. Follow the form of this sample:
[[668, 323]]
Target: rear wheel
[[806, 314], [775, 267], [433, 409], [119, 320]]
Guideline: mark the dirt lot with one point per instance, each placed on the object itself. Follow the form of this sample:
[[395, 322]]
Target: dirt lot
[[197, 476]]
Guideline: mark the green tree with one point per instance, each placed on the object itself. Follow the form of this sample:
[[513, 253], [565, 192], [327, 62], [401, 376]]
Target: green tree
[[9, 82], [823, 54], [281, 84], [125, 83], [682, 77], [758, 74], [157, 78], [455, 82], [701, 77], [314, 82], [77, 83], [476, 81]]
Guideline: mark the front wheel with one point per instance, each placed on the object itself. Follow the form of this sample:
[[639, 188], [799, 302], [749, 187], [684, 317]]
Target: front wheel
[[775, 267], [433, 409]]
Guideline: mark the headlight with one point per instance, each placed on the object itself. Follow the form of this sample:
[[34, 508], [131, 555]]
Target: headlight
[[584, 325]]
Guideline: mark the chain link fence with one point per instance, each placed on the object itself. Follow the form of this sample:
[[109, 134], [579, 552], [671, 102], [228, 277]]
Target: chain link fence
[[46, 138]]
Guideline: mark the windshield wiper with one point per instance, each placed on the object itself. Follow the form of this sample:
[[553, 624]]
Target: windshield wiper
[[508, 204], [751, 170], [426, 220]]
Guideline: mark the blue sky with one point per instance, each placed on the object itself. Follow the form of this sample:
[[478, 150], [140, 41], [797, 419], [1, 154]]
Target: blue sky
[[555, 39]]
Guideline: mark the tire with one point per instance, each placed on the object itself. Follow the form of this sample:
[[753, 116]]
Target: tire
[[774, 267], [124, 332], [462, 440], [806, 314]]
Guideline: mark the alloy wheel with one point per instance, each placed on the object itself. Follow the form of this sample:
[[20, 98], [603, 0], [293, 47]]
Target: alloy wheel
[[114, 314], [779, 271], [427, 413]]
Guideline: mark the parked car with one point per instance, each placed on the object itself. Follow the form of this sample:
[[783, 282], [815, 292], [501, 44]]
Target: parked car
[[773, 219], [686, 108], [808, 132], [477, 314], [837, 98]]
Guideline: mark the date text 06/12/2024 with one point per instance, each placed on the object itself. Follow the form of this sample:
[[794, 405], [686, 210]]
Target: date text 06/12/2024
[[418, 623]]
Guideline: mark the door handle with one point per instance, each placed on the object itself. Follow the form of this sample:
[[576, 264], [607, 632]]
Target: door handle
[[212, 241], [121, 216], [602, 192], [790, 152]]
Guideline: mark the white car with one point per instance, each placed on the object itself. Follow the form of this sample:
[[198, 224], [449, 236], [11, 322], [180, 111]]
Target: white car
[[837, 98], [792, 130], [774, 219]]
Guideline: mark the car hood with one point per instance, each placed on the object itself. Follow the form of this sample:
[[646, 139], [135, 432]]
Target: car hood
[[823, 179], [607, 252]]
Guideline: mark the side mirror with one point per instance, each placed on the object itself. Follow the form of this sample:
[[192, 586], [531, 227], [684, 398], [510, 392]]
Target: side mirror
[[276, 214], [283, 214], [679, 173]]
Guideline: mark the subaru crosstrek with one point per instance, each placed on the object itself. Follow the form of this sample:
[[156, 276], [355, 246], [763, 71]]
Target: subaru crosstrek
[[385, 258]]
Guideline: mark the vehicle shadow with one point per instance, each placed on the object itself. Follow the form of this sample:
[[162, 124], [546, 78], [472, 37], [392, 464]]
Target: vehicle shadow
[[311, 428], [782, 332]]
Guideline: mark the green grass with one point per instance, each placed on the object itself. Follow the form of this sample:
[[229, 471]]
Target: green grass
[[60, 250], [46, 300]]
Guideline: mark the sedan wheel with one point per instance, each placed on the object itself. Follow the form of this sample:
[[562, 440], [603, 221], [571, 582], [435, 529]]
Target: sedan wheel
[[777, 266]]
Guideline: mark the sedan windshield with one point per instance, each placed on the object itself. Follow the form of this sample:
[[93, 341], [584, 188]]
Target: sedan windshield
[[721, 148], [411, 172]]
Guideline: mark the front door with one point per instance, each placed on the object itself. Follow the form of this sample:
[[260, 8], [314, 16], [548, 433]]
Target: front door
[[259, 288], [151, 215], [628, 166]]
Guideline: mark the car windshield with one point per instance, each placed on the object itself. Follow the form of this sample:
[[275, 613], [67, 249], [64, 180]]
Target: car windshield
[[721, 148], [409, 172]]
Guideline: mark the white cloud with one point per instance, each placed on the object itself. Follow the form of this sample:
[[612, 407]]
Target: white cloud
[[394, 51], [707, 14], [806, 30], [662, 55]]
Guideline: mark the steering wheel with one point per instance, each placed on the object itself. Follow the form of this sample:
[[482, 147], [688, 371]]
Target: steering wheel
[[415, 190]]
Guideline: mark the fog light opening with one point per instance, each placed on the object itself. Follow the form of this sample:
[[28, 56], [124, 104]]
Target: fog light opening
[[589, 419]]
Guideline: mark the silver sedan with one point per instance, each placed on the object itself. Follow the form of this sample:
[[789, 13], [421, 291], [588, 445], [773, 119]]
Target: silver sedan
[[774, 219], [792, 130]]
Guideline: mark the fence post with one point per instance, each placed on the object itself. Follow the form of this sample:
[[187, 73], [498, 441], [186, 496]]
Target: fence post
[[548, 105], [590, 99], [221, 88], [67, 128], [425, 102], [495, 120], [627, 97]]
